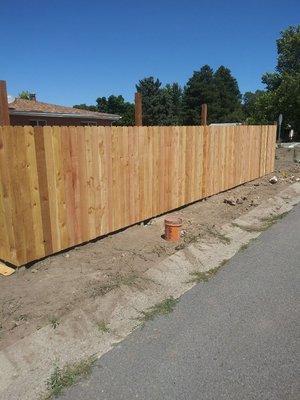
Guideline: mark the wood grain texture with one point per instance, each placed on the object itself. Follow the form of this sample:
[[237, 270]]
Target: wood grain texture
[[62, 186]]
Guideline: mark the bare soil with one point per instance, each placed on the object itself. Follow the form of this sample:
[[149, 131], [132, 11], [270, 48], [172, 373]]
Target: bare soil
[[45, 291]]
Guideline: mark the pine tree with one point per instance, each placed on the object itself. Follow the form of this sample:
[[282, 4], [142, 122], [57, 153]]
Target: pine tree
[[171, 99], [199, 89], [154, 110], [228, 107]]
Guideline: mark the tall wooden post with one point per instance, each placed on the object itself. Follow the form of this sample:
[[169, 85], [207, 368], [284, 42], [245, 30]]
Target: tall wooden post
[[138, 109], [4, 113], [204, 114]]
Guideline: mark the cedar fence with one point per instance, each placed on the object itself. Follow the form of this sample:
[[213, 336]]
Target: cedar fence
[[62, 186]]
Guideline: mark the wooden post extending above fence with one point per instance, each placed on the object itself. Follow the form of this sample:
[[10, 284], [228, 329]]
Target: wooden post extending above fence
[[4, 113], [204, 114], [138, 109]]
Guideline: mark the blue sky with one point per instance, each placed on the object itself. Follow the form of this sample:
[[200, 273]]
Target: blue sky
[[71, 52]]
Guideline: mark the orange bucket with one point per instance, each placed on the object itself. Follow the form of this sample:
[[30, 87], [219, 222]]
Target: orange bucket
[[172, 228]]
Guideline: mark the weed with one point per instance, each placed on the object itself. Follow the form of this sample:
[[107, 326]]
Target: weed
[[162, 308], [246, 245], [224, 262], [159, 250], [267, 223], [54, 322], [22, 317], [128, 280], [103, 327], [218, 235], [249, 228], [62, 378], [117, 282], [204, 276], [270, 220], [181, 246]]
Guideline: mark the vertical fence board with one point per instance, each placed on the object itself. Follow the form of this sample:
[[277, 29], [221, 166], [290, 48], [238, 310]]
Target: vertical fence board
[[8, 238], [61, 186]]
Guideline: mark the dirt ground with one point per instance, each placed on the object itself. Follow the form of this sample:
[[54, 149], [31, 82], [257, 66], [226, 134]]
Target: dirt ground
[[45, 291]]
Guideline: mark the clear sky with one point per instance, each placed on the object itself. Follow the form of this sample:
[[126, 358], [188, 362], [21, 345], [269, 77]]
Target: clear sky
[[71, 52]]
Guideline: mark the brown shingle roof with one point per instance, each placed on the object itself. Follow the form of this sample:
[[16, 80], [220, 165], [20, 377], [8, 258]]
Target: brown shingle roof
[[32, 106]]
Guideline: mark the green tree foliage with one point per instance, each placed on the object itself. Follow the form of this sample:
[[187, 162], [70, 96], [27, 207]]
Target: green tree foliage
[[257, 107], [170, 105], [25, 95], [171, 101], [85, 107], [161, 105], [199, 89], [117, 105], [153, 107], [282, 94], [228, 106], [219, 90], [288, 48], [112, 105]]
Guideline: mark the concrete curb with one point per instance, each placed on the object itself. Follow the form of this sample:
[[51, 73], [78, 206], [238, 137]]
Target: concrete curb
[[27, 364]]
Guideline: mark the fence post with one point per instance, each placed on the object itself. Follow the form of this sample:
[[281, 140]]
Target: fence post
[[138, 109], [4, 113], [204, 114]]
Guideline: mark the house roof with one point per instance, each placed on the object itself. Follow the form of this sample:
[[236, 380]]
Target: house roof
[[37, 108]]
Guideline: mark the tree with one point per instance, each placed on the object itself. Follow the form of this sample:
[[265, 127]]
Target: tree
[[117, 105], [152, 101], [161, 105], [85, 107], [258, 107], [199, 89], [171, 98], [282, 95], [288, 48], [218, 90], [228, 107], [25, 95], [113, 105]]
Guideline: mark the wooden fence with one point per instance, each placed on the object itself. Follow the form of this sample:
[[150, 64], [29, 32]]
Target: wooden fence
[[61, 186]]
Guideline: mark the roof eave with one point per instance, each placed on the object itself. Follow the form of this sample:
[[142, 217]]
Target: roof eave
[[110, 117]]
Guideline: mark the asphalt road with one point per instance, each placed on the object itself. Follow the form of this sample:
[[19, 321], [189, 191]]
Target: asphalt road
[[234, 337]]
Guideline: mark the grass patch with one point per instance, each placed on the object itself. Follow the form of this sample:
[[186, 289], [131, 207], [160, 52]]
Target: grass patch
[[267, 223], [270, 220], [162, 308], [205, 276], [218, 235], [62, 378], [54, 322], [103, 327]]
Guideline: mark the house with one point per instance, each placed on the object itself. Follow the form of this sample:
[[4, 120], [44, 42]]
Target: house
[[17, 111], [35, 113]]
